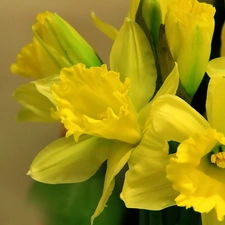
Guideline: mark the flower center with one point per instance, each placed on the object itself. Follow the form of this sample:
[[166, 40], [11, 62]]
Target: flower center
[[218, 156]]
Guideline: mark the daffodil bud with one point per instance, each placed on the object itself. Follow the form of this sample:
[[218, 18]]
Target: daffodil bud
[[189, 27], [55, 45], [151, 13]]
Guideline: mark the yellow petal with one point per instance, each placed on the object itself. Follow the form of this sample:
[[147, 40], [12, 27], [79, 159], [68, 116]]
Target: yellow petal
[[117, 158], [146, 185], [135, 61], [175, 120], [32, 61], [169, 86], [210, 218], [222, 51], [200, 183], [216, 67], [36, 100], [133, 9], [65, 161], [94, 101], [164, 5], [215, 107], [107, 29]]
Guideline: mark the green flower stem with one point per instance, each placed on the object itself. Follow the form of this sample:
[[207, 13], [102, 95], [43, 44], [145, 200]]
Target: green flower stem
[[189, 216], [143, 217], [171, 215], [155, 218]]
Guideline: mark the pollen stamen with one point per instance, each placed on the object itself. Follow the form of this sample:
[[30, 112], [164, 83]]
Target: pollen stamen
[[218, 159]]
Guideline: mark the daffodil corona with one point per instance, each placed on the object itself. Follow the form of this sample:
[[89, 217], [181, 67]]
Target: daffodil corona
[[94, 101]]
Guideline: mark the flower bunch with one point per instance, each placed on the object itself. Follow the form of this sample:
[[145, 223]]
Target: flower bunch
[[136, 113]]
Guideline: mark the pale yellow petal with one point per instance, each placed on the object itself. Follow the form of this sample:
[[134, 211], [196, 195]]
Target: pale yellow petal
[[175, 120], [136, 61], [107, 29], [133, 9], [65, 161], [222, 51], [146, 185], [215, 107], [216, 67], [164, 5], [169, 86], [210, 218], [118, 157], [32, 61], [36, 100]]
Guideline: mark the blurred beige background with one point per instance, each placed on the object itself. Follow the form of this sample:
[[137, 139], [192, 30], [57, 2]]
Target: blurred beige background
[[20, 142]]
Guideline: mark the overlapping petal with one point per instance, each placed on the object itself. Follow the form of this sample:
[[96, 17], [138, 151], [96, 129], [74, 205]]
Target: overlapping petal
[[36, 99], [32, 61], [136, 61], [210, 218], [107, 29], [169, 86], [118, 157], [146, 185], [215, 107], [222, 51], [170, 113], [65, 161]]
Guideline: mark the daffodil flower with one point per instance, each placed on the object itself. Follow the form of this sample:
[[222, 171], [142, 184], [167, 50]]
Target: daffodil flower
[[106, 114], [197, 170], [55, 45], [96, 103]]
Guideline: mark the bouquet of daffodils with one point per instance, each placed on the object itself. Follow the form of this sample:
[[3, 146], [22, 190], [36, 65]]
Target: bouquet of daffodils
[[135, 117]]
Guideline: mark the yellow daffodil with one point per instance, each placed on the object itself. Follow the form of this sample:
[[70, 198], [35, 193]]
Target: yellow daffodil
[[196, 171], [55, 45], [94, 106], [106, 114], [189, 27]]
